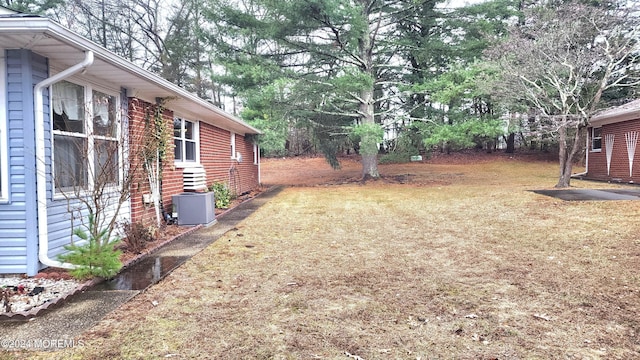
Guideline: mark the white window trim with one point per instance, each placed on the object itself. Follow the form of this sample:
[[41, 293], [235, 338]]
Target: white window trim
[[4, 149], [196, 136], [89, 88], [592, 138], [233, 146]]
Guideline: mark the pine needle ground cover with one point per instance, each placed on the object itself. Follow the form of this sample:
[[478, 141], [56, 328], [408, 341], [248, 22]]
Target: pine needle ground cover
[[459, 262]]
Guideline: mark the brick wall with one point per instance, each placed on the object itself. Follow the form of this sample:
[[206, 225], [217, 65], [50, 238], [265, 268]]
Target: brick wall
[[215, 157], [140, 212], [619, 170]]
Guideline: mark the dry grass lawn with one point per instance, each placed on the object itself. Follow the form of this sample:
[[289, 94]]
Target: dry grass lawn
[[460, 262]]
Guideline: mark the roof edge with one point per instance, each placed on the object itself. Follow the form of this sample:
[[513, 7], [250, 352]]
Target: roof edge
[[57, 31], [626, 112]]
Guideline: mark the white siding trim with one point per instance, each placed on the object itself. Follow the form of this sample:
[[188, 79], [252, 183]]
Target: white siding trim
[[4, 158]]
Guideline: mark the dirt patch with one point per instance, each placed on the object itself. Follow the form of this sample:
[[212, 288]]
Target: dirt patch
[[435, 170], [308, 171]]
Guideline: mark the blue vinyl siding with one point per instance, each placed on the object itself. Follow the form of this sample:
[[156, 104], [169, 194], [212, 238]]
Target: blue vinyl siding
[[18, 217], [61, 222]]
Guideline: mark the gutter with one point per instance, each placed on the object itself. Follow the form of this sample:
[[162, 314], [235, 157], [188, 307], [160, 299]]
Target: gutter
[[41, 174]]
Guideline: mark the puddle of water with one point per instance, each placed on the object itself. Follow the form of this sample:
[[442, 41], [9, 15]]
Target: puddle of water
[[143, 274], [154, 268]]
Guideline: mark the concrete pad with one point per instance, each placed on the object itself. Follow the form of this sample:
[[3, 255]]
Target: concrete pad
[[592, 194], [80, 313]]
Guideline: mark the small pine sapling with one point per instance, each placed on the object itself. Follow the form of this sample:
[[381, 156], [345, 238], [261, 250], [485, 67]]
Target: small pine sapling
[[97, 256]]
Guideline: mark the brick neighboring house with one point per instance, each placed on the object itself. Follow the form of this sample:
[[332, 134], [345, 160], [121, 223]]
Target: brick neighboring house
[[62, 98], [612, 153]]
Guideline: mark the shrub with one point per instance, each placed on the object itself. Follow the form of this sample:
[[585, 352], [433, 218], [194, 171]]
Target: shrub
[[96, 257], [404, 147], [395, 158], [136, 237], [222, 195]]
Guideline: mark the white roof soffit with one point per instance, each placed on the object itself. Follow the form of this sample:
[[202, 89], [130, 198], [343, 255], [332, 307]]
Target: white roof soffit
[[626, 112], [5, 11], [65, 48]]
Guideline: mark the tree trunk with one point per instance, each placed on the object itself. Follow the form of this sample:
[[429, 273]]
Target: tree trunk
[[511, 143], [566, 155], [563, 180], [370, 167], [368, 149]]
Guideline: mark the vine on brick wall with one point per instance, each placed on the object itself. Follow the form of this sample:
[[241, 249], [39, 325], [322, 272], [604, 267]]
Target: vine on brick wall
[[157, 145], [158, 136]]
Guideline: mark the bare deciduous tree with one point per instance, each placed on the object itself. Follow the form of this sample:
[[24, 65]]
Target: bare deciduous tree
[[160, 36], [561, 61]]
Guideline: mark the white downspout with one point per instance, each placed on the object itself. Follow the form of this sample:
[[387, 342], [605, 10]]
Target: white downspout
[[41, 175]]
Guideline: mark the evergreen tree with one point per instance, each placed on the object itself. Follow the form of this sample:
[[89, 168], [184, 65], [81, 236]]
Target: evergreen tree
[[445, 85], [343, 57]]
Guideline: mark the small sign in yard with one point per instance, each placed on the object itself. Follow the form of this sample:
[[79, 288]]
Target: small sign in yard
[[416, 158]]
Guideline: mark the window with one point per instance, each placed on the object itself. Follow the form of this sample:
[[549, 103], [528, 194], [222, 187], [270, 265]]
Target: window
[[70, 138], [4, 158], [105, 135], [185, 138], [82, 148], [596, 139]]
